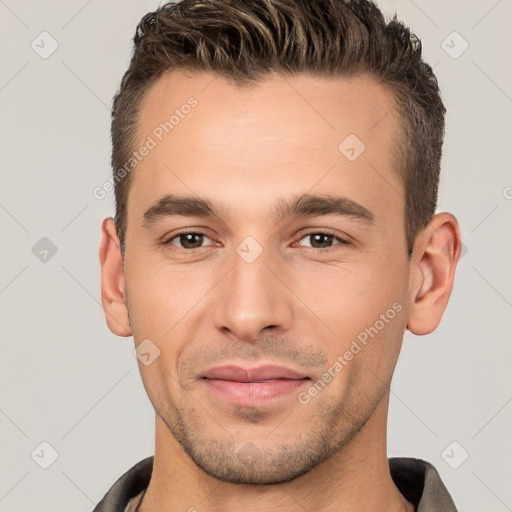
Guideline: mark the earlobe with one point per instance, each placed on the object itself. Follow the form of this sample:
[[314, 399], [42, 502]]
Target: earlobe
[[113, 297], [435, 256]]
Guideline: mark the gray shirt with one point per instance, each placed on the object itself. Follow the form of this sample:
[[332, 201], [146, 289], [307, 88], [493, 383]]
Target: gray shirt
[[417, 480]]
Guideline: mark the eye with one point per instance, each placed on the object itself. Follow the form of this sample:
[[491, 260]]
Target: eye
[[188, 241], [322, 240]]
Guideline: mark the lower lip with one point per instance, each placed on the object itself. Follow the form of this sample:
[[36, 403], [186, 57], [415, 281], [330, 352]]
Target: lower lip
[[254, 393]]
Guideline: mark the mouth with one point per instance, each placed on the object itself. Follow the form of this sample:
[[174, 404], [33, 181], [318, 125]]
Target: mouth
[[253, 386]]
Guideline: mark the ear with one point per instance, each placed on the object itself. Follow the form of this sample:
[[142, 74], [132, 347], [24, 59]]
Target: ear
[[433, 262], [113, 296]]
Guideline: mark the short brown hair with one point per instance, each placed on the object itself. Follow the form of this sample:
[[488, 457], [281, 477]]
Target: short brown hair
[[245, 40]]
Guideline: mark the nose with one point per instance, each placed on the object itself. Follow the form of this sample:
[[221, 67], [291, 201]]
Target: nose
[[252, 299]]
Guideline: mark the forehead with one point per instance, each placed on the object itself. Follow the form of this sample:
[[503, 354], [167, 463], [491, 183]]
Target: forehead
[[283, 132], [281, 104]]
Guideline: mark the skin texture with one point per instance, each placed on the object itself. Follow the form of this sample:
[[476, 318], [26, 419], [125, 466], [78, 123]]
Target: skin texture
[[299, 304]]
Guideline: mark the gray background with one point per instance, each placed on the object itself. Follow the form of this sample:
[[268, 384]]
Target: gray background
[[67, 381]]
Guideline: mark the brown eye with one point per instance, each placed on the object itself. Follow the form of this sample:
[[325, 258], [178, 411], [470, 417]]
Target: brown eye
[[188, 240], [321, 240]]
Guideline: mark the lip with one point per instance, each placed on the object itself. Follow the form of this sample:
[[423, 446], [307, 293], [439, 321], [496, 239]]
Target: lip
[[255, 386], [259, 373]]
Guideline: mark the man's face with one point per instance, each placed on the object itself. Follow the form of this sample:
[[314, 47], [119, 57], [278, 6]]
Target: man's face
[[247, 288]]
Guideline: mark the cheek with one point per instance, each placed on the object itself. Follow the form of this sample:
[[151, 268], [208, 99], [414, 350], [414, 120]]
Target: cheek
[[160, 295], [364, 308], [350, 298]]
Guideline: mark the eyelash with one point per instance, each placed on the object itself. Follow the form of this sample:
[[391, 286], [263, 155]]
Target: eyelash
[[342, 242]]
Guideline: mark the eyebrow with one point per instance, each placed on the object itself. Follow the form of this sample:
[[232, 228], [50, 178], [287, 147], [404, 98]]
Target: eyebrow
[[305, 205]]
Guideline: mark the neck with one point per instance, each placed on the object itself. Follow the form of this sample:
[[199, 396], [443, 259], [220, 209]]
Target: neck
[[355, 479]]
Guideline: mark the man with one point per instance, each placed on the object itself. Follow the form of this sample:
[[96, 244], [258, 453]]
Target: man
[[276, 165]]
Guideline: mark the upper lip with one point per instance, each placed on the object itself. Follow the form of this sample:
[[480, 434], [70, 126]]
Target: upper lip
[[255, 374]]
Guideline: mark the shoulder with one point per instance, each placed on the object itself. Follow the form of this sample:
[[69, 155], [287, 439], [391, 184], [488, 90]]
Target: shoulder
[[420, 483], [131, 483]]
